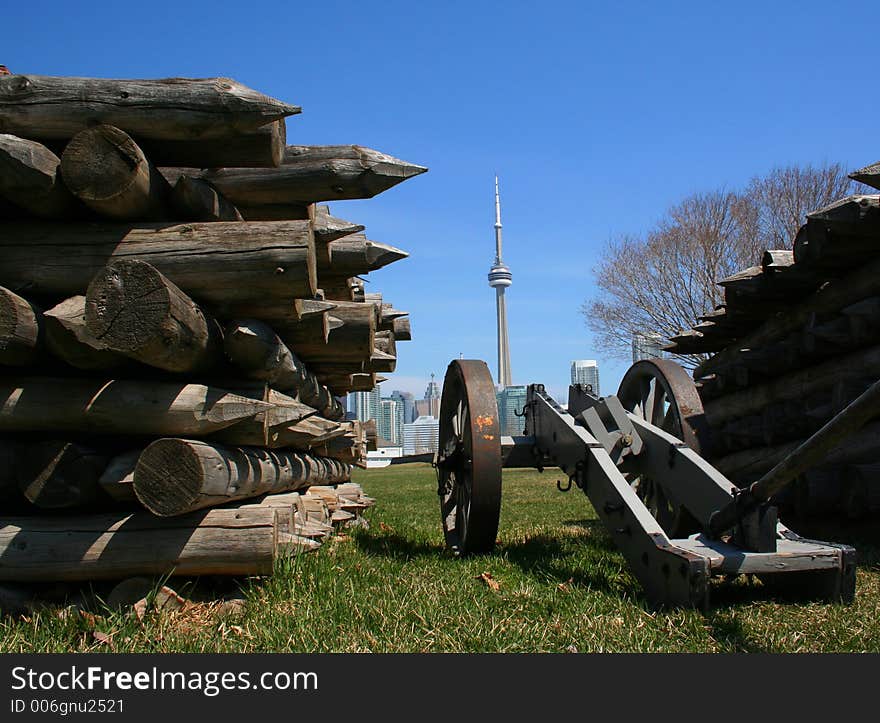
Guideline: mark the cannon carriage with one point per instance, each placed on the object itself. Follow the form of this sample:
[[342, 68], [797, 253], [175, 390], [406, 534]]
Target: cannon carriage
[[676, 519]]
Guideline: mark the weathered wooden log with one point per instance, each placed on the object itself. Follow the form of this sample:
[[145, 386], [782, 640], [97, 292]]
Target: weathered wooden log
[[354, 255], [256, 349], [21, 332], [329, 228], [88, 406], [68, 339], [111, 546], [401, 329], [794, 386], [836, 294], [133, 309], [869, 175], [337, 288], [175, 476], [223, 264], [55, 474], [30, 178], [311, 173], [207, 123], [117, 479], [195, 200], [109, 173], [841, 234]]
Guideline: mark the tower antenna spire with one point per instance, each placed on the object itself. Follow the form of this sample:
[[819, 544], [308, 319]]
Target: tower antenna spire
[[499, 279]]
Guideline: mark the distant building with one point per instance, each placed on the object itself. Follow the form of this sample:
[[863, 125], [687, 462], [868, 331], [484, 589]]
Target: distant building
[[586, 372], [409, 405], [389, 423], [421, 436], [366, 405], [430, 405], [647, 346], [511, 401]]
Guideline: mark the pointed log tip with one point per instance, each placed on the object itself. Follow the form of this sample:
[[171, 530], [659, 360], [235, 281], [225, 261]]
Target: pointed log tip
[[384, 254]]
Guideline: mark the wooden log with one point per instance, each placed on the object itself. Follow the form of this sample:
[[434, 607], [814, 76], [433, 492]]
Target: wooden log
[[87, 406], [794, 386], [329, 228], [175, 476], [222, 264], [21, 331], [112, 546], [869, 175], [840, 235], [68, 339], [836, 294], [56, 474], [401, 329], [256, 349], [30, 178], [195, 200], [117, 479], [354, 255], [207, 123], [133, 309], [109, 173], [309, 174]]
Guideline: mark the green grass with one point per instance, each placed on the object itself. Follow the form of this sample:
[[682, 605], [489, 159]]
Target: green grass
[[394, 588]]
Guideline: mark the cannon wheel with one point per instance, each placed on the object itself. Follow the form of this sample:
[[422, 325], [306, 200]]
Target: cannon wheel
[[469, 458], [662, 393]]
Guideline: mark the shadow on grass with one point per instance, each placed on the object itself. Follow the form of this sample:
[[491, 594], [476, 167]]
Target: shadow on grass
[[396, 546], [558, 559]]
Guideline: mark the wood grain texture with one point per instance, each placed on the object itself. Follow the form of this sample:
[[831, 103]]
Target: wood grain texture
[[222, 264], [21, 332], [30, 178], [113, 546], [135, 310], [107, 171], [68, 339], [175, 476], [309, 174], [210, 122], [88, 406]]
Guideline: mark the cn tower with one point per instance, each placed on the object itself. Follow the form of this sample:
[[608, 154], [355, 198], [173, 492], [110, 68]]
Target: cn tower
[[499, 279]]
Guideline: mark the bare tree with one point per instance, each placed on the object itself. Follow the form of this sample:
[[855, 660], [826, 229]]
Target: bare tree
[[661, 282], [784, 197]]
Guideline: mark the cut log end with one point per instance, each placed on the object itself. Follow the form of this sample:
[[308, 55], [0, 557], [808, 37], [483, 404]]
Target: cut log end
[[168, 477]]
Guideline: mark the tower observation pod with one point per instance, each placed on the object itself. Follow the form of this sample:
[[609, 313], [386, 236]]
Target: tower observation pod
[[499, 279]]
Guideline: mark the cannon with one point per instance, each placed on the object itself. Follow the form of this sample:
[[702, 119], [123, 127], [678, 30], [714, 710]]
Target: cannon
[[676, 519]]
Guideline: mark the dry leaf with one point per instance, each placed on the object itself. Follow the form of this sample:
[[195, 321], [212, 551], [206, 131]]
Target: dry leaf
[[140, 608], [385, 528], [490, 581], [88, 617], [102, 638]]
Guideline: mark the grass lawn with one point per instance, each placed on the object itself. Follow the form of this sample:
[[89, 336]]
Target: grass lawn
[[555, 584]]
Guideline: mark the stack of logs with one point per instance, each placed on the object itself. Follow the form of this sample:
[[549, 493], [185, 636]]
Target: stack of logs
[[178, 322], [796, 340]]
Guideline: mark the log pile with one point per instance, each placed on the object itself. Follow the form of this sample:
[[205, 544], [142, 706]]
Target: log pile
[[797, 339], [180, 316]]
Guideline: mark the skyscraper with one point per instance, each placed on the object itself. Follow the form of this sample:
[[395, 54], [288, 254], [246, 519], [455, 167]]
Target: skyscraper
[[409, 405], [499, 279], [367, 404], [511, 401], [430, 405], [586, 371], [389, 423], [647, 346]]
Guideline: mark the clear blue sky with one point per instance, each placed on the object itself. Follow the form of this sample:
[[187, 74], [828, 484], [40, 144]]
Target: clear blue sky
[[596, 116]]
